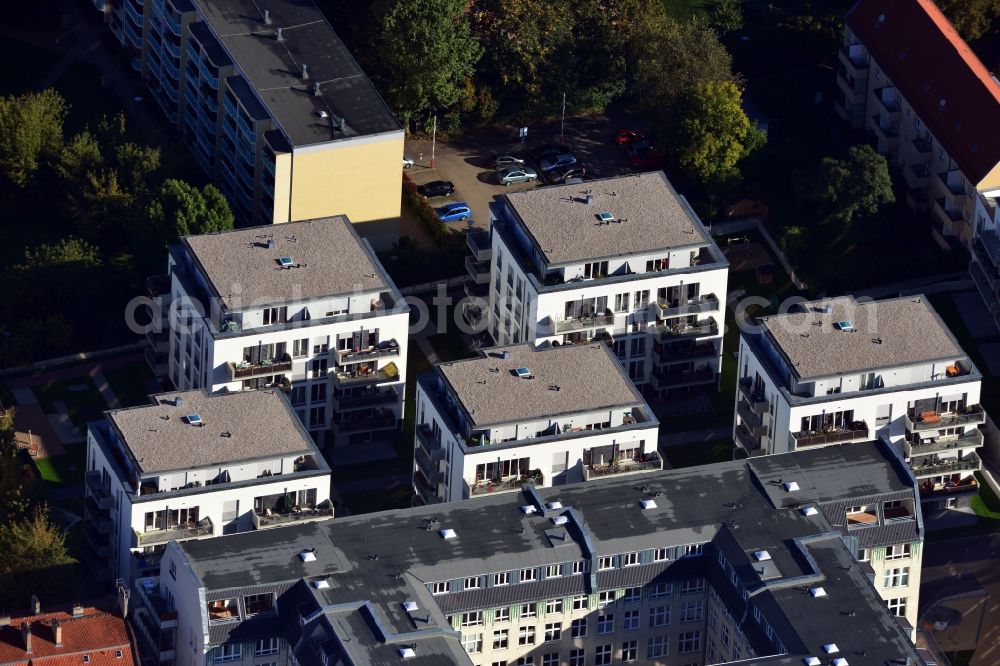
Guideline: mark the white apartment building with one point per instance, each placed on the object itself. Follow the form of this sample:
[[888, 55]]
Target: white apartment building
[[305, 307], [840, 370], [195, 466], [622, 260], [907, 77], [519, 415]]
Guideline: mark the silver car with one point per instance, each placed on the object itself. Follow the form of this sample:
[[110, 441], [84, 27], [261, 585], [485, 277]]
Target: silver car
[[553, 161], [516, 174]]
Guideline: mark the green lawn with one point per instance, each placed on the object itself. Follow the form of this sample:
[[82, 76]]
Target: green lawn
[[67, 469], [699, 453], [129, 383], [82, 406]]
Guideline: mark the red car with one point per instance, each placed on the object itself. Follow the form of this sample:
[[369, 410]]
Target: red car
[[626, 136], [647, 159]]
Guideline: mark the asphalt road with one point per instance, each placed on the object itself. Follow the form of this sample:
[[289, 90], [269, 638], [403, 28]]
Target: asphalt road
[[955, 552]]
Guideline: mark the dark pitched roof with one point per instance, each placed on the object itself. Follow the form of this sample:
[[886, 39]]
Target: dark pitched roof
[[919, 49]]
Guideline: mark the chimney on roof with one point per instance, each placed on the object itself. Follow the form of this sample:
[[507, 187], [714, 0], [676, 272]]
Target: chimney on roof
[[278, 36], [57, 633], [26, 635], [267, 17], [305, 72], [77, 610], [316, 89], [36, 605]]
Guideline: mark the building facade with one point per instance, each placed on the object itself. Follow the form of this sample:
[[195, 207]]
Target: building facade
[[906, 76], [595, 573], [305, 307], [622, 260], [519, 415], [840, 371], [195, 466], [273, 107]]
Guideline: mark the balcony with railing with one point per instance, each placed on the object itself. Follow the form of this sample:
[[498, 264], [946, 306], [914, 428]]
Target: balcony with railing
[[919, 174], [677, 330], [745, 439], [366, 376], [751, 419], [946, 211], [951, 182], [246, 369], [962, 486], [649, 462], [96, 490], [663, 379], [887, 99], [584, 322], [425, 493], [383, 420], [887, 131], [479, 271], [386, 349], [933, 466], [666, 354], [480, 245], [368, 399], [507, 484], [272, 518], [99, 543], [853, 58], [972, 439], [856, 431], [202, 528], [932, 420], [755, 398], [672, 308]]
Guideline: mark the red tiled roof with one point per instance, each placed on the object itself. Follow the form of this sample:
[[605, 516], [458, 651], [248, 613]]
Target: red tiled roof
[[919, 49], [96, 634]]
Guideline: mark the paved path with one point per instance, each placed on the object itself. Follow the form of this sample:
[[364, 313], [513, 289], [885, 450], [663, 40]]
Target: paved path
[[105, 388], [387, 483], [931, 283]]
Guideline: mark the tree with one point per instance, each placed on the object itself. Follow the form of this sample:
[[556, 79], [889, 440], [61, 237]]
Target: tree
[[179, 208], [67, 253], [728, 15], [972, 18], [426, 53], [715, 133], [858, 185], [8, 445], [31, 133], [33, 560]]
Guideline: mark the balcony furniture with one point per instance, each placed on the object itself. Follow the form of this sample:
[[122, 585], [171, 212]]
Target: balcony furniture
[[930, 417], [952, 371]]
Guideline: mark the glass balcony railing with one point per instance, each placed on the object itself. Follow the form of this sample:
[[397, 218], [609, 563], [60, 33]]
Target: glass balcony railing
[[650, 461], [202, 528], [855, 431], [933, 420], [271, 518], [245, 369]]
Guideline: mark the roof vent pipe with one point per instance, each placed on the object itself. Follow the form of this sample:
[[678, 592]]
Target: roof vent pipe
[[267, 17], [316, 90], [278, 36], [305, 72]]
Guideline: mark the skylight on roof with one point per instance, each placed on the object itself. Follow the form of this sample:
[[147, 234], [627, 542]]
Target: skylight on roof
[[846, 325], [285, 261], [410, 606], [321, 584], [528, 508], [817, 592], [811, 661], [791, 486], [523, 372], [194, 419], [761, 555], [552, 506], [560, 520], [605, 216], [831, 648], [809, 511], [407, 653], [647, 504], [448, 533], [839, 661], [308, 555]]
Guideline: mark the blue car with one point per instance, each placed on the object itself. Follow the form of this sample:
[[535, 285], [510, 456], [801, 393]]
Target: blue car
[[454, 211]]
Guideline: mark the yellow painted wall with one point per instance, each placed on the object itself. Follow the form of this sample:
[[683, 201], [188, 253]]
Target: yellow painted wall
[[282, 186], [361, 179], [991, 181]]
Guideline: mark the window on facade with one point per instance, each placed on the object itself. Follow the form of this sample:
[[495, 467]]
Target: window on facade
[[692, 550], [597, 269], [528, 610], [605, 598], [502, 614], [898, 551], [525, 661], [660, 590], [581, 567], [689, 641], [641, 299], [526, 635], [660, 555], [724, 636], [473, 643], [602, 655], [630, 620], [275, 315], [318, 368], [630, 651], [317, 392], [471, 583], [692, 611], [577, 657], [439, 587], [500, 639], [606, 623], [862, 555], [578, 628], [553, 631], [473, 619], [258, 603], [606, 562], [658, 646], [266, 646], [553, 606], [621, 302], [581, 602], [633, 595], [553, 571], [657, 264], [550, 659], [228, 652], [317, 416], [659, 616], [899, 577], [300, 348], [692, 586], [528, 575], [897, 606], [501, 579]]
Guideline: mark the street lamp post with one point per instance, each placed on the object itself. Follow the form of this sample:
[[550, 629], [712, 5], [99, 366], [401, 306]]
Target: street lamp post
[[562, 123], [434, 129]]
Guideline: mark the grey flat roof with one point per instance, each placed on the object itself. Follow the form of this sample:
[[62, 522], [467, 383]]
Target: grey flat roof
[[261, 424], [329, 258], [889, 333], [566, 228], [273, 69], [388, 557], [588, 378]]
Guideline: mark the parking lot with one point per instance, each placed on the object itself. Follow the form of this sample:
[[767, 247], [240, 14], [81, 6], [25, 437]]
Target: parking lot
[[466, 162]]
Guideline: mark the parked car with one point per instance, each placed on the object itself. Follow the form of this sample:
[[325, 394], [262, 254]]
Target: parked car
[[638, 147], [624, 137], [452, 212], [541, 152], [516, 174], [407, 162], [436, 188], [648, 159], [557, 160], [505, 160], [563, 173]]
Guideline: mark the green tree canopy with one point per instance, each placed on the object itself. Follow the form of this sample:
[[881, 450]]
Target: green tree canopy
[[179, 208], [858, 185], [67, 253], [33, 560], [31, 133], [972, 18], [426, 53], [715, 133]]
